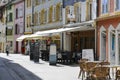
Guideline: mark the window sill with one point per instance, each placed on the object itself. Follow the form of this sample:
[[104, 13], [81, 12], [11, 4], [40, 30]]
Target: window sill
[[117, 12], [104, 15]]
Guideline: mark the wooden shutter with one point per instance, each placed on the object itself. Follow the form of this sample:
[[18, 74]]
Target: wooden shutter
[[50, 14], [67, 12]]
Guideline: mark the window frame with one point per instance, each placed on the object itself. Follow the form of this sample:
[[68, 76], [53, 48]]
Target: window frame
[[116, 9], [102, 13]]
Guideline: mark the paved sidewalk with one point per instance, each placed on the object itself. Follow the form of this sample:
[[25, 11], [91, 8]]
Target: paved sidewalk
[[43, 70]]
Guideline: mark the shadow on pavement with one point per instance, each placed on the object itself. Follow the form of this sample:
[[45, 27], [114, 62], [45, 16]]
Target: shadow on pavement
[[16, 71]]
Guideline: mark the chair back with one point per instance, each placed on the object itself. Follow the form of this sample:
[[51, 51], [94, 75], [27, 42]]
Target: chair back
[[105, 63], [101, 72]]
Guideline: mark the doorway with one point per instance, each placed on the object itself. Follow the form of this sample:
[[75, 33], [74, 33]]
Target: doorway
[[16, 46]]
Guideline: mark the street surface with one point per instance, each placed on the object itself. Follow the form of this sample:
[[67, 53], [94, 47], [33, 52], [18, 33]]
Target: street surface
[[19, 67]]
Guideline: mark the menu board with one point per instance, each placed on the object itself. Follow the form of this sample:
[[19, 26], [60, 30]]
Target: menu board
[[88, 54], [52, 56]]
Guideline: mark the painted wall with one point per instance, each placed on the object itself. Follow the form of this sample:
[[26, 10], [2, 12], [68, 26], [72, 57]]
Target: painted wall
[[20, 22], [10, 24]]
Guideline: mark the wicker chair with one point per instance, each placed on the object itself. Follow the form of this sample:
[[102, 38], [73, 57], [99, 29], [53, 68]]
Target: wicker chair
[[105, 63], [100, 73], [117, 74], [82, 71], [82, 64], [89, 67]]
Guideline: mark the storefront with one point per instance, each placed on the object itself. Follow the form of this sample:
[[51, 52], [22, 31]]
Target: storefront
[[82, 40], [109, 39]]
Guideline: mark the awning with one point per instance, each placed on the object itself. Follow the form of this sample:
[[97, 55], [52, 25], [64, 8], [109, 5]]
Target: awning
[[22, 37], [55, 31], [46, 33]]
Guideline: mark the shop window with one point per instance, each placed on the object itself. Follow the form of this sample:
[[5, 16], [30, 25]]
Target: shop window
[[105, 6]]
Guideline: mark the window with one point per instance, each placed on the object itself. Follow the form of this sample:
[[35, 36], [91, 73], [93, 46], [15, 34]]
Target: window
[[117, 4], [10, 16], [16, 13], [28, 3], [77, 12], [9, 7], [104, 6], [20, 12], [9, 31], [16, 29]]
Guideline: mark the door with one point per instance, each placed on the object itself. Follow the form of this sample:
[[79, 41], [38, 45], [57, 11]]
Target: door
[[16, 47]]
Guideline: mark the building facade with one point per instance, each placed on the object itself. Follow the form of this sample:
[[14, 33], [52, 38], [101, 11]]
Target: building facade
[[82, 14], [108, 27], [18, 25], [10, 26], [43, 15]]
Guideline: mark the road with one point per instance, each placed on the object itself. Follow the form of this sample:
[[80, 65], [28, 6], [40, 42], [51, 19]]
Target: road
[[13, 71]]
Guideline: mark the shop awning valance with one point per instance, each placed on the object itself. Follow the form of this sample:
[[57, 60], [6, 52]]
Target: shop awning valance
[[55, 31], [22, 37], [45, 33]]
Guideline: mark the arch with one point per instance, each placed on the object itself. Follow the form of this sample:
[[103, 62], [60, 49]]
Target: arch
[[111, 28], [118, 27], [102, 29]]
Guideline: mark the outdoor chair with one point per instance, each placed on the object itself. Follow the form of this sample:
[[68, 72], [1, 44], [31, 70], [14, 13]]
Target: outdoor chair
[[100, 73], [106, 63], [82, 64], [118, 75], [89, 67], [59, 57]]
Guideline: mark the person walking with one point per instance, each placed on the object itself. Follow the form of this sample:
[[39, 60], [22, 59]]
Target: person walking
[[7, 50]]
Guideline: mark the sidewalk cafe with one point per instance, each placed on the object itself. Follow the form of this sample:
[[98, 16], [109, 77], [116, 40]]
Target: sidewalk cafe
[[98, 70], [47, 37]]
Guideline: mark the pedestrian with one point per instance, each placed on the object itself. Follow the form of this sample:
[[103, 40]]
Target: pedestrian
[[7, 50]]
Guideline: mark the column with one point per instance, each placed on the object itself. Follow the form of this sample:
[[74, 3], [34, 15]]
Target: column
[[116, 48]]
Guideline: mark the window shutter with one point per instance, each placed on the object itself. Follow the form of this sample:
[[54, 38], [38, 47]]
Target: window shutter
[[94, 10], [83, 11]]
